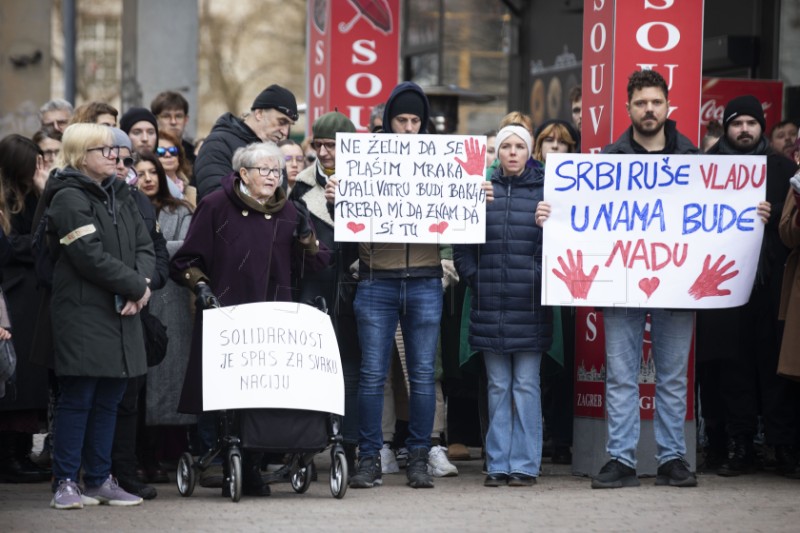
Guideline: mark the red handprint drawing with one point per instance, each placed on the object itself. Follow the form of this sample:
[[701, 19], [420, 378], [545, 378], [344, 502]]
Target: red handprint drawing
[[573, 276], [476, 159], [709, 280]]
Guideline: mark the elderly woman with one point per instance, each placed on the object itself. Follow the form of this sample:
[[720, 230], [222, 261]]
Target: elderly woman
[[246, 243], [104, 263], [507, 321]]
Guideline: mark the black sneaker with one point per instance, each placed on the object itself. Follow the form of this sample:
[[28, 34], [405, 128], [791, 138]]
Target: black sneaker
[[615, 475], [417, 470], [133, 486], [676, 473], [368, 474]]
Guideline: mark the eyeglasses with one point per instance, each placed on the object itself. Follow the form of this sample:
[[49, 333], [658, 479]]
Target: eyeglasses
[[266, 171], [127, 161], [50, 155], [171, 150], [106, 151], [177, 117], [329, 145], [56, 124], [297, 158]]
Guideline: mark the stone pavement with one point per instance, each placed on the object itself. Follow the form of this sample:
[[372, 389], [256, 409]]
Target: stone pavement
[[559, 502]]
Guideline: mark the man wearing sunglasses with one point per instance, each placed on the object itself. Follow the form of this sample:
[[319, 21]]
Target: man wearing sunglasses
[[271, 116]]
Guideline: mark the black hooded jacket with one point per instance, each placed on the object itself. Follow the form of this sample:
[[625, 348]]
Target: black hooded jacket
[[214, 161]]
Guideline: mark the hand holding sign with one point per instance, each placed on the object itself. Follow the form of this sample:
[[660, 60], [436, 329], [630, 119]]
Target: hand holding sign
[[573, 276], [475, 164], [709, 280]]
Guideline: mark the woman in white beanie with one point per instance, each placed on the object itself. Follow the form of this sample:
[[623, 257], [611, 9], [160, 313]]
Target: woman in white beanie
[[507, 322]]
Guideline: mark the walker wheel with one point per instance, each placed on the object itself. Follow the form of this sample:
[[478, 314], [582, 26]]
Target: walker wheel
[[187, 475], [235, 479], [338, 474], [301, 479]]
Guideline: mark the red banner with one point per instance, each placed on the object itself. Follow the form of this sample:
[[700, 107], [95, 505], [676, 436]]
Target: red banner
[[717, 92], [621, 37], [353, 57], [590, 369]]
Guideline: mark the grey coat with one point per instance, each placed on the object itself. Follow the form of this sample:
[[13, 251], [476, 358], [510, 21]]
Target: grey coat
[[171, 305]]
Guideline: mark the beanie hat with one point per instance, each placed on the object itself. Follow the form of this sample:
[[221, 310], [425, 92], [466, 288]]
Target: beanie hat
[[329, 124], [134, 115], [744, 105], [276, 97], [519, 131], [121, 139], [410, 102], [575, 134]]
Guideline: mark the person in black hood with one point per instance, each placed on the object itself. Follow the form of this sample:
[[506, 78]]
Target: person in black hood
[[105, 261], [748, 378], [271, 116]]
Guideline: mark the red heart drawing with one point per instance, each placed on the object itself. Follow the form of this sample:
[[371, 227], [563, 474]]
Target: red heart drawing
[[649, 285], [355, 227], [438, 228]]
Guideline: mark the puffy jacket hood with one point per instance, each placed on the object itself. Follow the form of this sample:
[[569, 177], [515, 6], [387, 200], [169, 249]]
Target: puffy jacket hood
[[404, 87]]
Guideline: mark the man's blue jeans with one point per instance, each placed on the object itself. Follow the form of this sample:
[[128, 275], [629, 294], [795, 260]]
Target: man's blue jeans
[[86, 414], [514, 439], [671, 336], [379, 304]]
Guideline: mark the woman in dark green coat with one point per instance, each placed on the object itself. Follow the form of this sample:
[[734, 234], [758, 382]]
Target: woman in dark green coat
[[104, 263]]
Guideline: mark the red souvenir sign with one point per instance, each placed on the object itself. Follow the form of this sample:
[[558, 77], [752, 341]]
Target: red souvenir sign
[[621, 37], [353, 57]]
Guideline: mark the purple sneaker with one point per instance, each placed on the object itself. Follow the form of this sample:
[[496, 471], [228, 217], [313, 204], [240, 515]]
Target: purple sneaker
[[67, 496], [110, 493]]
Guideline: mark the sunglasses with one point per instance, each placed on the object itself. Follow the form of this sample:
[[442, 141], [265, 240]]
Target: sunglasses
[[311, 158], [172, 150], [127, 161]]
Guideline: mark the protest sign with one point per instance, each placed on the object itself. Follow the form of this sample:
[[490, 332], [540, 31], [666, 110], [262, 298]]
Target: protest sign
[[666, 231], [271, 354], [410, 188]]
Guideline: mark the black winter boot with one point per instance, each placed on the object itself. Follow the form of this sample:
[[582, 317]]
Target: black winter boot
[[417, 470], [787, 461], [15, 465], [742, 459]]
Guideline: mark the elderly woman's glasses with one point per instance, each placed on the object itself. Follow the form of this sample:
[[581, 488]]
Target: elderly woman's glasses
[[266, 171], [107, 151]]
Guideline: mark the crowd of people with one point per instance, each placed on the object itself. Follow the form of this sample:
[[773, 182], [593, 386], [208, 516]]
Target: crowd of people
[[443, 348]]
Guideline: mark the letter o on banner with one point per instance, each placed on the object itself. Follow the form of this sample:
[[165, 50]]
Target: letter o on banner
[[593, 38], [643, 36], [375, 85], [319, 85]]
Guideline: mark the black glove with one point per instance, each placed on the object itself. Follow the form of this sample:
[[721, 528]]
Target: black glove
[[303, 227], [205, 298]]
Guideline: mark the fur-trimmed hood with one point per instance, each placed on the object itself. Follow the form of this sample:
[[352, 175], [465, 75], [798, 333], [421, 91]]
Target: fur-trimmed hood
[[308, 187]]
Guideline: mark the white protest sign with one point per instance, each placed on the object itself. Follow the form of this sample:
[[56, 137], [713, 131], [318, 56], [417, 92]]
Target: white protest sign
[[666, 231], [271, 354], [410, 188]]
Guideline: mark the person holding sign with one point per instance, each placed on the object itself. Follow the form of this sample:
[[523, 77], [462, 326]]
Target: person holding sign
[[246, 243], [335, 283], [507, 322], [650, 132], [398, 282]]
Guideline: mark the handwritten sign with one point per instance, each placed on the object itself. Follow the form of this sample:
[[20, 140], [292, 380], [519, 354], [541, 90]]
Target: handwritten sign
[[271, 354], [410, 188], [663, 231]]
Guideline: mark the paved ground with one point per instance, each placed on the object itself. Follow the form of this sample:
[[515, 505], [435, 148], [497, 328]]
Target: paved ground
[[559, 502]]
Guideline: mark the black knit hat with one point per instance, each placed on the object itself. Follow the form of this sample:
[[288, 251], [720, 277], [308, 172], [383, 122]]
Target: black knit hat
[[410, 102], [277, 97], [744, 105], [329, 124], [134, 115]]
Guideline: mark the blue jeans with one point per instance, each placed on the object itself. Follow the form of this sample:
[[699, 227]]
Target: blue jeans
[[379, 304], [85, 417], [671, 336], [514, 439]]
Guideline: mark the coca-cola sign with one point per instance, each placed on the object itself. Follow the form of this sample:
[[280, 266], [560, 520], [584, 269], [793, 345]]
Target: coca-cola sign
[[717, 92]]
